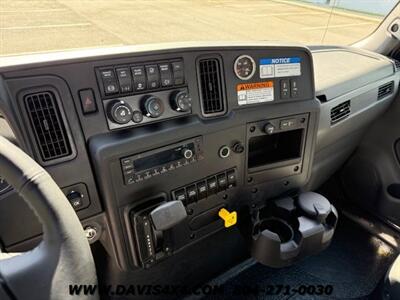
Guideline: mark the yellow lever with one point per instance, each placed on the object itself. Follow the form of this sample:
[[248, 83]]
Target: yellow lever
[[230, 218]]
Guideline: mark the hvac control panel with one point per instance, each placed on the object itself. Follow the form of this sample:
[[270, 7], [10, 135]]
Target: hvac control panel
[[137, 94]]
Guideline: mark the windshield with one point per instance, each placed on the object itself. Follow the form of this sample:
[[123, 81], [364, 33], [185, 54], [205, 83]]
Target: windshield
[[43, 26]]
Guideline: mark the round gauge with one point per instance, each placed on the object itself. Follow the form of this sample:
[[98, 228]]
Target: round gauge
[[4, 186], [244, 67]]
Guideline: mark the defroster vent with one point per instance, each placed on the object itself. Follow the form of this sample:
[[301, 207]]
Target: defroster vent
[[48, 126], [211, 87], [340, 112]]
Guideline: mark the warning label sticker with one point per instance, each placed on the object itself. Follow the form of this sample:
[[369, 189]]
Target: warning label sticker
[[280, 67], [250, 93]]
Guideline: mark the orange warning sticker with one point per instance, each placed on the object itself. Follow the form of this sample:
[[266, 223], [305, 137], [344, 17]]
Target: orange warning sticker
[[251, 93], [256, 85]]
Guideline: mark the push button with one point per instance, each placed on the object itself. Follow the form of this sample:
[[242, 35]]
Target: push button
[[109, 81], [294, 89], [231, 178], [165, 75], [110, 87], [137, 116], [88, 101], [284, 124], [139, 78], [153, 77], [130, 179], [129, 172], [76, 199], [285, 89], [222, 182], [180, 195], [201, 190], [125, 80], [212, 185], [126, 161], [191, 192], [178, 73], [177, 66]]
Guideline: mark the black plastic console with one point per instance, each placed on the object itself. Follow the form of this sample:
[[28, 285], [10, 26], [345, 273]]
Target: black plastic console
[[288, 229]]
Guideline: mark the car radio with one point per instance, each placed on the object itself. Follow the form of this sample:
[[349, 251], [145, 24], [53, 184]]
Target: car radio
[[143, 166]]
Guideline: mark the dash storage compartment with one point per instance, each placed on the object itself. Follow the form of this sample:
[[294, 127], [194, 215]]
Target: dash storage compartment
[[288, 229]]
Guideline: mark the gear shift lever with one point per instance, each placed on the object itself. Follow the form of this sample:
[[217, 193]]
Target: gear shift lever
[[167, 215]]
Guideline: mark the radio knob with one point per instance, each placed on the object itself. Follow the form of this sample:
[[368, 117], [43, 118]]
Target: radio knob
[[153, 107], [187, 153], [269, 128], [119, 112], [181, 101]]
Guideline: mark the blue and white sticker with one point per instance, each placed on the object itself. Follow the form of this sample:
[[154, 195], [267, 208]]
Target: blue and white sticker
[[280, 67]]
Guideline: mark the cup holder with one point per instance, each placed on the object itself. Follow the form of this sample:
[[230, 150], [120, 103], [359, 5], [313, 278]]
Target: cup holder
[[288, 229], [281, 228]]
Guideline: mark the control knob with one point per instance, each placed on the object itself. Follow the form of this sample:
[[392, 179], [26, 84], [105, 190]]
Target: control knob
[[119, 112], [181, 101], [269, 128], [187, 153], [153, 107]]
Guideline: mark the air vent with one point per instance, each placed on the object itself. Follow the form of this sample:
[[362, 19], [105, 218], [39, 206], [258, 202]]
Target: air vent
[[48, 126], [340, 112], [211, 87], [385, 90]]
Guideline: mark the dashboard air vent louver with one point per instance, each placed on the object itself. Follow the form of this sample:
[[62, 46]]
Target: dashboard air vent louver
[[211, 87], [47, 125], [385, 90], [340, 112]]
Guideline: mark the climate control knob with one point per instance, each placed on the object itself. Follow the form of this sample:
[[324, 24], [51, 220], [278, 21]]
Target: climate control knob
[[181, 101], [119, 112], [153, 107]]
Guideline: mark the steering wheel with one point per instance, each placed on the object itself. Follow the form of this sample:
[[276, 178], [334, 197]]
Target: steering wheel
[[63, 258]]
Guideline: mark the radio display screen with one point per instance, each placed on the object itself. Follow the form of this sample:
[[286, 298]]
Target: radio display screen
[[160, 158]]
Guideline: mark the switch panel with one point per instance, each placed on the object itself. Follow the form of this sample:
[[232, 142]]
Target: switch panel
[[206, 187], [140, 78]]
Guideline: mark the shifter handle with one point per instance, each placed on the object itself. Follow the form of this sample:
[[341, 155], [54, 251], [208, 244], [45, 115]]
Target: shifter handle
[[167, 215]]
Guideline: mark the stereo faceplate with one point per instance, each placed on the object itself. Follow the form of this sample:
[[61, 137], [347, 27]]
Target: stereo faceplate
[[157, 162]]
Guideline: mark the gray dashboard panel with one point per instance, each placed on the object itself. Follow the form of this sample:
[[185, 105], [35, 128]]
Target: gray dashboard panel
[[343, 74], [71, 72], [341, 70]]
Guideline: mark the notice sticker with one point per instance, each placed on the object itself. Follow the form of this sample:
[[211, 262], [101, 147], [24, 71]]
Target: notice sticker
[[250, 93], [280, 67]]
